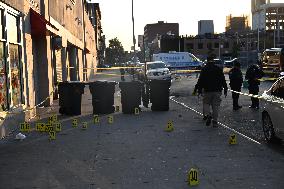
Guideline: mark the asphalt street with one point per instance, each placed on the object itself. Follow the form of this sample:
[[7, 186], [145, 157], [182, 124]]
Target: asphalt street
[[136, 152]]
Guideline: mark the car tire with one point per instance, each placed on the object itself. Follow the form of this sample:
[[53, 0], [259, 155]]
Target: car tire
[[267, 127]]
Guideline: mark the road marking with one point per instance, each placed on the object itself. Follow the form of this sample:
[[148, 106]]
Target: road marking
[[222, 124]]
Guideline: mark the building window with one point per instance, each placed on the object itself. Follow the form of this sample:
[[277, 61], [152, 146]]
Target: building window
[[1, 24], [200, 45], [15, 74], [10, 61], [216, 45], [3, 79], [209, 45], [12, 28]]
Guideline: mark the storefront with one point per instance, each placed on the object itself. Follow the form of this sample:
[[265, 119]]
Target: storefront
[[11, 64]]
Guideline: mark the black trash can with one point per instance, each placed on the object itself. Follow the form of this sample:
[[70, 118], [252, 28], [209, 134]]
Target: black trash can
[[160, 94], [70, 97], [130, 96], [102, 96]]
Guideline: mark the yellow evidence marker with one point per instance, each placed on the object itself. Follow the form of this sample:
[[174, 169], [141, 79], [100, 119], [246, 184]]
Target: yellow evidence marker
[[52, 135], [117, 108], [233, 139], [84, 125], [170, 126], [52, 119], [25, 127], [75, 123], [49, 127], [96, 119], [136, 111], [58, 127], [110, 119], [193, 179], [40, 127]]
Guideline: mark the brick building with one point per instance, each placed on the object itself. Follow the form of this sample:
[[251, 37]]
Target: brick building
[[152, 30], [42, 42]]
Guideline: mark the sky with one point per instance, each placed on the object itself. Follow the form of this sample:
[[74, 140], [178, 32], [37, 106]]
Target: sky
[[117, 15]]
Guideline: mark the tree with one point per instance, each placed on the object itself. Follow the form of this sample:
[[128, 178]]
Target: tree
[[114, 52]]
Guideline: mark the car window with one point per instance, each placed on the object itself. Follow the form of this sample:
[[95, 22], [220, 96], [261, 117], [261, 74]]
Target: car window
[[156, 65], [278, 89]]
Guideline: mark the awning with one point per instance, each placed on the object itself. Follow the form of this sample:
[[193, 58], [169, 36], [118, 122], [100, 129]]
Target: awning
[[38, 24]]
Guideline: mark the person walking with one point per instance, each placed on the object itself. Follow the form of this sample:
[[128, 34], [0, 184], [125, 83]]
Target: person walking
[[253, 74], [122, 73], [212, 81], [236, 81]]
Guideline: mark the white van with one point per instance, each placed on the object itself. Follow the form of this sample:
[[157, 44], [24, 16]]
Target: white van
[[178, 60]]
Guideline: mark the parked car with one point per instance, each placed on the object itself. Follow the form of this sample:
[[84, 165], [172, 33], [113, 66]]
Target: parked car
[[156, 70], [217, 62], [230, 63], [273, 113]]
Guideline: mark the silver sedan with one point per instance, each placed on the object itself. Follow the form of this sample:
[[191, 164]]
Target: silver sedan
[[273, 113]]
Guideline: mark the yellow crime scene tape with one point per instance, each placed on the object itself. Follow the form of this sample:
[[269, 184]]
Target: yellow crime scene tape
[[13, 109], [111, 68], [185, 71], [263, 97]]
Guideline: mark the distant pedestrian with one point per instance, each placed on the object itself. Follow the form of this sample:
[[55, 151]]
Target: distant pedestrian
[[253, 75], [132, 72], [212, 81], [122, 72], [236, 82]]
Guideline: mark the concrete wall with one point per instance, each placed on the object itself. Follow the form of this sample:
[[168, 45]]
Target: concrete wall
[[205, 26], [17, 4], [258, 20], [68, 15]]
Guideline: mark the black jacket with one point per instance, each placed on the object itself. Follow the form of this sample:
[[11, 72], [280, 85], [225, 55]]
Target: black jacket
[[211, 79], [253, 74], [236, 78]]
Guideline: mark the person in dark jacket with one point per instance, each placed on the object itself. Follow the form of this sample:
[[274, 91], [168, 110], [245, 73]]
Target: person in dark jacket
[[236, 81], [253, 74], [122, 73], [211, 82]]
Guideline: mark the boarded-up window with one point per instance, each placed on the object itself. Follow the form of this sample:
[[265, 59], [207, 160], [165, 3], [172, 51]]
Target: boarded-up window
[[15, 76], [3, 79]]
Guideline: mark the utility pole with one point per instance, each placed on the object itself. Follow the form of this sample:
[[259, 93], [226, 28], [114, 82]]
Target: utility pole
[[274, 36], [258, 39], [133, 33], [247, 49], [84, 42]]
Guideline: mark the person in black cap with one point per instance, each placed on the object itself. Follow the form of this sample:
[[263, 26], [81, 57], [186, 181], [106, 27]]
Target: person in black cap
[[122, 73], [212, 82], [253, 74], [236, 81]]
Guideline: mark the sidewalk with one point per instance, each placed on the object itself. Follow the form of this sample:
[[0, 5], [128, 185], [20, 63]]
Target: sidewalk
[[136, 152], [9, 123]]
